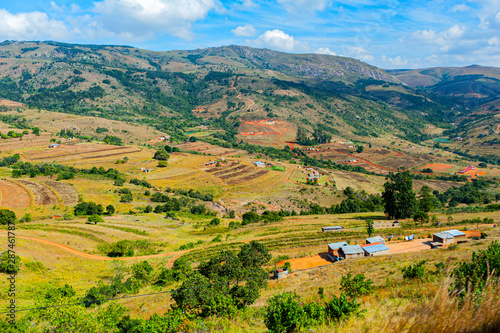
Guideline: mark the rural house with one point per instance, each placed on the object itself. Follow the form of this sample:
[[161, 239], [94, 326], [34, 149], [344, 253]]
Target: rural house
[[375, 239], [469, 168], [386, 225], [455, 233], [280, 273], [443, 238], [333, 249], [351, 251], [260, 164]]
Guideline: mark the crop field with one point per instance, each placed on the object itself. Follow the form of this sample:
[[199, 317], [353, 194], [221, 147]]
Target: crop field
[[67, 193], [42, 194], [14, 195], [208, 149], [18, 145]]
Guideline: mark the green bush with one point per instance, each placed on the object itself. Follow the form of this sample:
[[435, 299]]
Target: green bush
[[416, 271], [355, 286], [284, 313], [340, 308], [94, 219]]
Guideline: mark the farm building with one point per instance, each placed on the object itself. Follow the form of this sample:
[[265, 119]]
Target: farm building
[[455, 233], [386, 225], [334, 228], [260, 164], [443, 238], [351, 251], [375, 250], [55, 145], [280, 273], [469, 168], [333, 248], [375, 239]]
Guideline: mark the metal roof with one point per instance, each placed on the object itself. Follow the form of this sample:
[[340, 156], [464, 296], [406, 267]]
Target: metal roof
[[443, 235], [455, 233], [333, 228], [375, 248], [375, 239], [336, 246], [352, 249]]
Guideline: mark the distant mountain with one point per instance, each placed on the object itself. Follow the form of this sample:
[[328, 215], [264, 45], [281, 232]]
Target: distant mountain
[[219, 86]]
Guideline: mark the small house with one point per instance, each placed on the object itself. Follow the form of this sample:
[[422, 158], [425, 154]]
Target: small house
[[260, 164], [455, 233], [375, 250], [469, 168], [280, 273], [334, 228], [333, 249], [147, 170], [443, 238], [351, 251], [386, 224], [55, 145], [375, 239]]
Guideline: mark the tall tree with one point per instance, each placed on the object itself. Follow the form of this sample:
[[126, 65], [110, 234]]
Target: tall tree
[[301, 137], [370, 229], [427, 199], [399, 199]]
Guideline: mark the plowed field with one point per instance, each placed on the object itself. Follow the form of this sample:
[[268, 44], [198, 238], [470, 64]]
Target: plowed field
[[14, 195], [67, 192], [42, 194]]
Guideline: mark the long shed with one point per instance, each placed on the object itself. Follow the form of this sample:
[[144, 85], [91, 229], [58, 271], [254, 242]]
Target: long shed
[[375, 239], [334, 228], [375, 250]]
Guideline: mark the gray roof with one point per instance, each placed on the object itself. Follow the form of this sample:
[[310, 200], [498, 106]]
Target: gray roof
[[375, 248], [336, 246], [333, 228], [352, 249], [455, 232], [444, 235], [375, 239]]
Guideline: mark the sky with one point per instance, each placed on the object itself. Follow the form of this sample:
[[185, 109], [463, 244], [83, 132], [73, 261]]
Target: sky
[[385, 33]]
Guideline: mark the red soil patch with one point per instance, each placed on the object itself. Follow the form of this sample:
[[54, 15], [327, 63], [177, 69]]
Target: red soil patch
[[438, 167], [398, 154], [316, 260], [14, 195]]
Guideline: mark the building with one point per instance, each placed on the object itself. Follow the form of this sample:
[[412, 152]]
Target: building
[[55, 145], [351, 251], [375, 250], [386, 224], [334, 228], [469, 168], [375, 239], [333, 249], [280, 273], [260, 164], [455, 233], [443, 238]]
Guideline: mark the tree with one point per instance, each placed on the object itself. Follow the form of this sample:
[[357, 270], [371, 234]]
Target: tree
[[142, 271], [416, 271], [7, 216], [400, 201], [254, 254], [94, 219], [427, 199], [162, 164], [370, 229], [215, 222], [421, 217], [360, 149], [284, 314], [110, 210], [161, 155], [9, 266], [340, 308], [301, 136], [36, 131]]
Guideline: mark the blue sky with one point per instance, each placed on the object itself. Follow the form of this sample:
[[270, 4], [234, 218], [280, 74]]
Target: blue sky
[[385, 33]]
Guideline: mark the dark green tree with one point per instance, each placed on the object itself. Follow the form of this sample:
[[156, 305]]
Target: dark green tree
[[302, 136], [427, 199], [284, 313], [7, 216], [400, 201], [370, 229]]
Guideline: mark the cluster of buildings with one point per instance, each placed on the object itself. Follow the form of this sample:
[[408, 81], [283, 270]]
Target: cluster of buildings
[[219, 161], [146, 170], [375, 246]]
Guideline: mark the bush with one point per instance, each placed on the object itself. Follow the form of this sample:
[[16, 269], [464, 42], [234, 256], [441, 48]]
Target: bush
[[9, 266], [119, 182], [355, 286], [198, 210], [284, 313], [7, 216], [162, 164], [340, 308], [215, 222], [416, 271], [126, 197]]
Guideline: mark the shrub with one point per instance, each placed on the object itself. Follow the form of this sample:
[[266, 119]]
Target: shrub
[[340, 308], [416, 271], [94, 219], [162, 164], [7, 216], [355, 286], [7, 265], [215, 222], [284, 313]]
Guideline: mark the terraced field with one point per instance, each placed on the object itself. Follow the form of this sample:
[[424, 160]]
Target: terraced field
[[43, 195]]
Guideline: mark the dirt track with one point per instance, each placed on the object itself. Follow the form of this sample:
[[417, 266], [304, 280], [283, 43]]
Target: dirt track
[[98, 257]]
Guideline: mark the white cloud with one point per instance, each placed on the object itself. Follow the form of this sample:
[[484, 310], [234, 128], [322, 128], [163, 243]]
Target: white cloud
[[33, 25], [497, 17], [301, 6], [277, 39], [325, 50], [140, 19], [460, 8], [244, 30], [443, 38], [395, 62], [494, 41], [359, 53]]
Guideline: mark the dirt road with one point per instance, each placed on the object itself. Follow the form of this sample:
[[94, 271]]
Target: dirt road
[[98, 257]]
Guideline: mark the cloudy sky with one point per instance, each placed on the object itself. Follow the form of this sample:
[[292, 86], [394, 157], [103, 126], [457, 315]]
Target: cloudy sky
[[385, 33]]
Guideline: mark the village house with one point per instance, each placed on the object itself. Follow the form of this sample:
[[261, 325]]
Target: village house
[[376, 249], [260, 164], [333, 250], [351, 251], [375, 239], [443, 238]]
